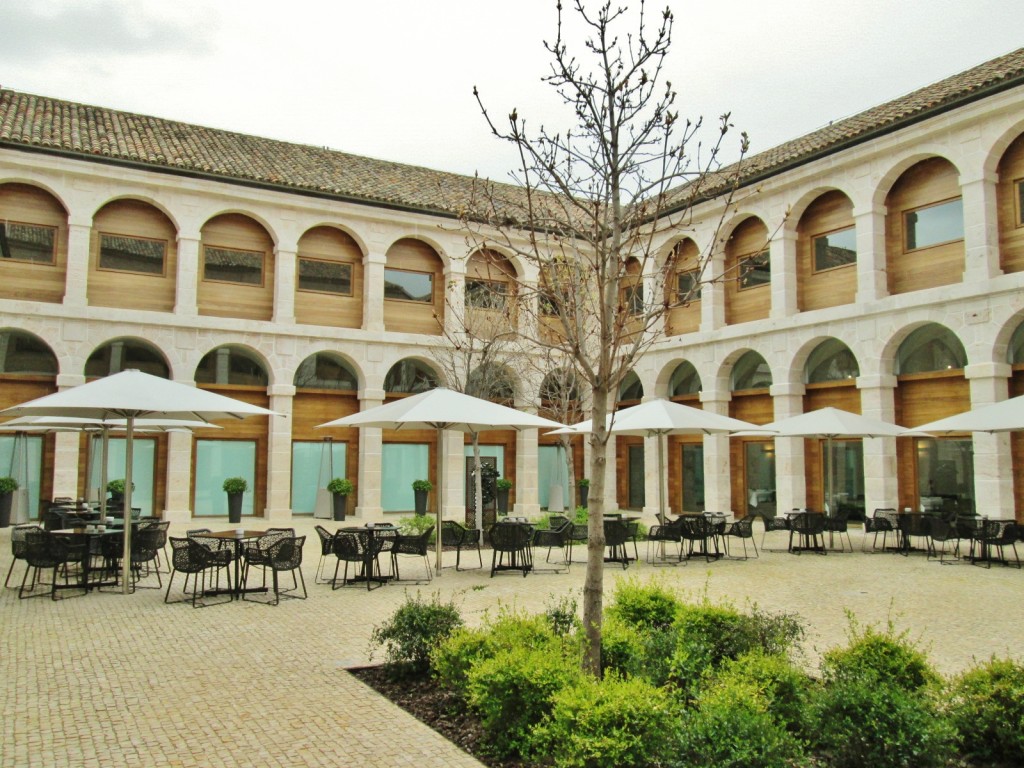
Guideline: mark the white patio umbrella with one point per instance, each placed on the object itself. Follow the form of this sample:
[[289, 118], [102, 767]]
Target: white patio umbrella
[[829, 423], [132, 395], [659, 418], [442, 409], [1004, 416]]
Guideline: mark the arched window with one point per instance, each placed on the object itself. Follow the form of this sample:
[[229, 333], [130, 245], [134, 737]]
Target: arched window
[[830, 361], [1015, 354], [25, 354], [232, 365], [491, 382], [408, 377], [125, 354], [631, 390], [750, 372], [325, 371], [930, 348], [684, 381]]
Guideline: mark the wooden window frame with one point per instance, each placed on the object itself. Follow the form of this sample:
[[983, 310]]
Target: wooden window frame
[[489, 284], [629, 297], [1018, 200], [263, 266], [743, 260], [695, 281], [344, 264], [906, 228], [417, 302], [53, 248], [814, 251], [99, 255]]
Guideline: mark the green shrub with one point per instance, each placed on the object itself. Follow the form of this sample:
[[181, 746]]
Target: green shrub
[[340, 485], [230, 485], [887, 656], [414, 525], [613, 723], [643, 605], [986, 708], [785, 688], [422, 485], [414, 630], [876, 723], [623, 648], [731, 725], [9, 485], [562, 615], [514, 689]]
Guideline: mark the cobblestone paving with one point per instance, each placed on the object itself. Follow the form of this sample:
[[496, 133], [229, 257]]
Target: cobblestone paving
[[111, 680]]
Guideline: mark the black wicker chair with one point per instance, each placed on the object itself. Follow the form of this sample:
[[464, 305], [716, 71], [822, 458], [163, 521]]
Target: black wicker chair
[[998, 534], [454, 534], [661, 535], [616, 534], [836, 525], [511, 541], [192, 558], [45, 551], [18, 534], [283, 556], [742, 530], [882, 521], [326, 549], [699, 529], [351, 546], [809, 530], [256, 552], [942, 532], [555, 537], [146, 545], [414, 546], [772, 523]]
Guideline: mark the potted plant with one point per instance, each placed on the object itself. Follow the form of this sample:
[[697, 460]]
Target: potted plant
[[504, 485], [116, 489], [235, 487], [584, 486], [421, 488], [8, 485], [340, 487]]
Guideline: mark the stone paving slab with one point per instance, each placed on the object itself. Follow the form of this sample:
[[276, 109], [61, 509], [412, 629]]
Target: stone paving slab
[[114, 680]]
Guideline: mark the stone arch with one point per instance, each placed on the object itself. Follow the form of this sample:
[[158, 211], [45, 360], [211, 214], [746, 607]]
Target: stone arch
[[235, 365], [411, 375], [126, 352]]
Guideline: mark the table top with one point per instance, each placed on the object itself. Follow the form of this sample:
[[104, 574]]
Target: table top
[[86, 531], [234, 533]]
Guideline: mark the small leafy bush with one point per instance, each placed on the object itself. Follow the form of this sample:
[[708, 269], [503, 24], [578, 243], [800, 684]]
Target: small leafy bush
[[643, 605], [986, 708], [731, 725], [422, 485], [515, 689], [230, 485], [503, 483], [623, 648], [786, 689], [888, 657], [877, 723], [340, 485], [612, 723], [8, 485], [414, 525], [562, 615], [414, 629]]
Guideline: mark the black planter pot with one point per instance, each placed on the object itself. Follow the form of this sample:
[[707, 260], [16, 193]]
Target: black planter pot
[[584, 494], [421, 501], [235, 507], [5, 508], [502, 498], [340, 504]]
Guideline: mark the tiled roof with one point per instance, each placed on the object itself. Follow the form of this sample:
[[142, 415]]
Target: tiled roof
[[95, 132]]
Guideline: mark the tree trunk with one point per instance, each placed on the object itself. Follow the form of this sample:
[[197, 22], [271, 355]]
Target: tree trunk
[[593, 584], [478, 482]]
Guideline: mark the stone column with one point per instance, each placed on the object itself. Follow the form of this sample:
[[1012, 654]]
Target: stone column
[[187, 279], [76, 276], [878, 401], [790, 465], [177, 504], [368, 505], [285, 277], [872, 283], [981, 229], [993, 460], [717, 487], [527, 488], [782, 257], [373, 291], [455, 303], [712, 295], [652, 474], [65, 458], [279, 460], [453, 501]]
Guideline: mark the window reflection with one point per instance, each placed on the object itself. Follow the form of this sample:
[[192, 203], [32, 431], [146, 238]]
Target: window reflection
[[942, 223], [408, 286], [836, 249]]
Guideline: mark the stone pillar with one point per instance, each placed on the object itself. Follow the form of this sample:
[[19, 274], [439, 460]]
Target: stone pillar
[[652, 474], [76, 277], [790, 461], [872, 283], [65, 458], [712, 295], [993, 460], [527, 489], [782, 257], [187, 279], [279, 460], [717, 487], [453, 494], [981, 229], [455, 303], [177, 504], [373, 291], [285, 276], [368, 505], [878, 401]]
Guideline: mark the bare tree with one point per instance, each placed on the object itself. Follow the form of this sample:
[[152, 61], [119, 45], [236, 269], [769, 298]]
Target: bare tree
[[591, 210]]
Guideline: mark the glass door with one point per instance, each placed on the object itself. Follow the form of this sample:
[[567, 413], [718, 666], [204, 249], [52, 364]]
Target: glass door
[[217, 460], [693, 477], [637, 492], [759, 461]]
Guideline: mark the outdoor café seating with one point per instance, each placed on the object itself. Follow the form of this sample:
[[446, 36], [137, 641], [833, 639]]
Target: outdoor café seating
[[18, 534], [326, 550], [556, 537], [616, 535], [662, 535], [699, 532], [47, 551], [998, 535], [808, 531], [191, 558], [772, 522], [413, 545], [882, 521], [283, 555], [741, 529], [511, 547], [454, 534]]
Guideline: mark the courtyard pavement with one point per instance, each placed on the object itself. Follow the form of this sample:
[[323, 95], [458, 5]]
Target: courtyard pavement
[[109, 680]]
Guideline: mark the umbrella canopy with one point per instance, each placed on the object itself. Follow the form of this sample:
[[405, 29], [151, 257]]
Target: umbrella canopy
[[1004, 416], [130, 395], [829, 423], [659, 418], [442, 409]]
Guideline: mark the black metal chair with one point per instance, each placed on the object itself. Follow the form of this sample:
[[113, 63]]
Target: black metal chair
[[256, 552], [511, 541], [911, 526], [284, 555], [661, 535], [553, 538], [772, 523], [146, 545], [699, 529], [414, 546], [882, 521], [454, 534], [18, 534], [998, 534], [326, 549], [942, 532], [350, 546], [616, 534], [809, 530], [45, 551], [742, 530], [192, 558], [836, 525]]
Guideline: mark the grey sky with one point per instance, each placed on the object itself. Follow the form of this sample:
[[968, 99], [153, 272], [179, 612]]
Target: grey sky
[[395, 80]]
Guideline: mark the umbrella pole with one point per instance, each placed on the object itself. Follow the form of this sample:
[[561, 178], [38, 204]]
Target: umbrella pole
[[104, 446], [437, 500], [126, 560], [661, 477]]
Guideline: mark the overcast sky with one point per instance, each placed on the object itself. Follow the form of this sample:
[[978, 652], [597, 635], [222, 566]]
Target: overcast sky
[[394, 80]]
